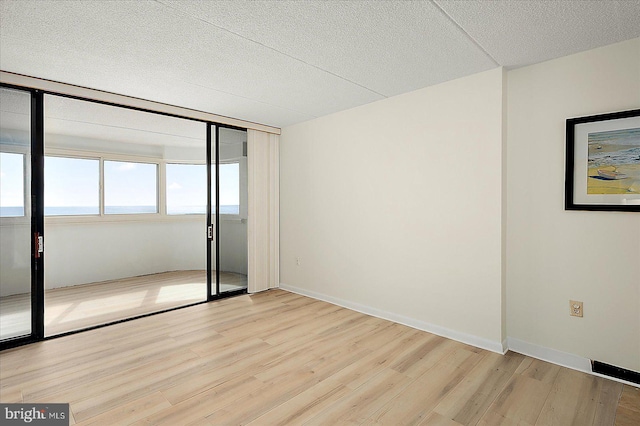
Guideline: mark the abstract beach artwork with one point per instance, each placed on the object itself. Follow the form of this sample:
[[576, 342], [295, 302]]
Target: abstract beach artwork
[[614, 162], [602, 170]]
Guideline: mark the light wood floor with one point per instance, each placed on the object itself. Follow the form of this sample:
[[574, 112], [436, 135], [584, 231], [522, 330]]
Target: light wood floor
[[278, 358], [81, 306]]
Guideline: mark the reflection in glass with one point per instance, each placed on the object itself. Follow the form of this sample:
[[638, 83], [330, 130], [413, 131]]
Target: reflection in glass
[[233, 210], [186, 189], [15, 212], [11, 185], [230, 188]]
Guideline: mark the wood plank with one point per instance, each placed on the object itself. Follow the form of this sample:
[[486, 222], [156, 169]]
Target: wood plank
[[468, 401], [573, 399], [610, 394], [510, 407], [630, 398], [427, 390], [425, 356], [196, 408], [131, 412], [628, 410], [539, 370], [627, 417], [372, 364], [11, 395], [264, 399], [360, 404], [304, 406], [435, 419]]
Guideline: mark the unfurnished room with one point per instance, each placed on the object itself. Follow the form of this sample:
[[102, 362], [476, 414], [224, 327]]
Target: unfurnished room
[[320, 212]]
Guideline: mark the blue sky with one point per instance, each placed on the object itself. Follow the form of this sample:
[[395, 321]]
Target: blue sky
[[71, 182], [130, 184]]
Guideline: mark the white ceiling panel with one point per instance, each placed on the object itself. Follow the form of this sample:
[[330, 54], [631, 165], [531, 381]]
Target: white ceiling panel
[[363, 42], [283, 62], [518, 33]]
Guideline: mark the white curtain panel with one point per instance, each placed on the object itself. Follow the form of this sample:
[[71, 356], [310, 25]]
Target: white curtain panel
[[264, 233]]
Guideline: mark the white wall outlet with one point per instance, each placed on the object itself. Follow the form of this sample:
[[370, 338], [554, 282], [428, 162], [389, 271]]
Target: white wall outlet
[[297, 261], [575, 308]]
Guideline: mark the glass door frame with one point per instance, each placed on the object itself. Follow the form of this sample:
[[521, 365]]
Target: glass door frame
[[213, 219], [36, 210]]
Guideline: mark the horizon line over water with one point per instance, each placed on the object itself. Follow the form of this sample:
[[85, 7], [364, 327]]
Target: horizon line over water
[[19, 211]]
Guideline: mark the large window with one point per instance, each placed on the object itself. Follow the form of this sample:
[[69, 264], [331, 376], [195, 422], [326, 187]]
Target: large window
[[72, 186], [230, 188], [130, 188], [186, 189], [11, 185]]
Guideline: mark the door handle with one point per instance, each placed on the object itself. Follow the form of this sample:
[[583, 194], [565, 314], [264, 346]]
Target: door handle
[[39, 244]]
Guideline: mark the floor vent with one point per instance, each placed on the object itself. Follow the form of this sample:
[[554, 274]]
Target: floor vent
[[617, 372]]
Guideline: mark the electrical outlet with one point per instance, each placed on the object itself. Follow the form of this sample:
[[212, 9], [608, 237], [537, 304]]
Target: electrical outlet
[[575, 308], [297, 261]]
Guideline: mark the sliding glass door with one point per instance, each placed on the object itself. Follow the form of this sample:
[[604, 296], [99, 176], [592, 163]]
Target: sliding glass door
[[232, 224], [19, 238], [141, 213], [125, 203], [228, 260]]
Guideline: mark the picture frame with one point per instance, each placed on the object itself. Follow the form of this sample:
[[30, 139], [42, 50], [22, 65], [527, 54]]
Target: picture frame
[[602, 170]]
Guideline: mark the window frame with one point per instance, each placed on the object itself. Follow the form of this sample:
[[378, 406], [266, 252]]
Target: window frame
[[79, 157], [161, 214], [103, 204]]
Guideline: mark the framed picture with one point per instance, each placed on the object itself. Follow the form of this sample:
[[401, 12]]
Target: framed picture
[[603, 162]]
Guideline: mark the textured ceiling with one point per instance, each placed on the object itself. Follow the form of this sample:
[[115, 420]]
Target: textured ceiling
[[283, 62]]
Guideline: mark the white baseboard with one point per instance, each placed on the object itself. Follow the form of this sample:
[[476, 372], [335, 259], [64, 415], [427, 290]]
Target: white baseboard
[[554, 356], [479, 342]]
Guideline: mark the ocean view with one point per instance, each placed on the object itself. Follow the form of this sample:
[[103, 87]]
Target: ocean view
[[17, 211], [11, 211], [613, 164]]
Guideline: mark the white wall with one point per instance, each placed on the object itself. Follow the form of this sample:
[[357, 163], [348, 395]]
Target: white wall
[[396, 207], [555, 255], [91, 252]]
